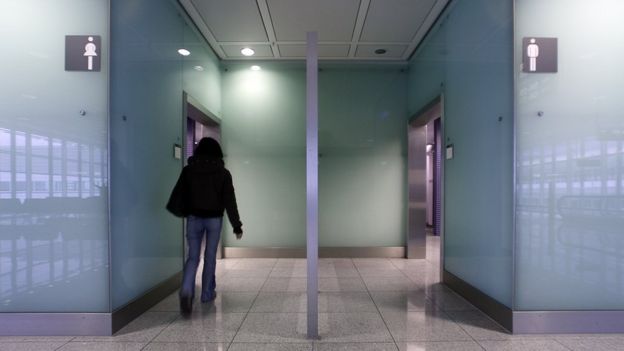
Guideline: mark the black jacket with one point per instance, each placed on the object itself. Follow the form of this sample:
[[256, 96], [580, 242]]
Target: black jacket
[[204, 189]]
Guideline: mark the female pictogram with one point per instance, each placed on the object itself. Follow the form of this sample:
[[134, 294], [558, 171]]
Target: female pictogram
[[90, 49]]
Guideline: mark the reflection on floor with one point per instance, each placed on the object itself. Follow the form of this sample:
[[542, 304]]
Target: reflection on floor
[[364, 304]]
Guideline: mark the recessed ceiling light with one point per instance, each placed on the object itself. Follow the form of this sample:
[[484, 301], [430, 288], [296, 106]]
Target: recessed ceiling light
[[255, 68], [184, 52], [380, 51], [199, 68], [247, 51]]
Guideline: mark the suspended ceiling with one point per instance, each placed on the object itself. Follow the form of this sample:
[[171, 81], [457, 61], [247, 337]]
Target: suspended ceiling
[[347, 29]]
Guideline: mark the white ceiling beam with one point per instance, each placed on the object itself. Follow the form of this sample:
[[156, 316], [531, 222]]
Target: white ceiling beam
[[359, 26], [203, 28], [268, 25], [429, 21]]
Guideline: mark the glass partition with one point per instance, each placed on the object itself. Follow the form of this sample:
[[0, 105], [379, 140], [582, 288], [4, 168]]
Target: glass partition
[[53, 160], [570, 130]]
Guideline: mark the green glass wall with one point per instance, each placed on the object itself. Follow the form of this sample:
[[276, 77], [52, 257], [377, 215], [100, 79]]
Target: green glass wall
[[263, 133], [362, 156], [53, 160], [147, 82], [468, 58], [570, 128]]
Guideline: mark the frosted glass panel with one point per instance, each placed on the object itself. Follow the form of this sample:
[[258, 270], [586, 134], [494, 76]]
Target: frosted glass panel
[[468, 58], [570, 205], [148, 80], [263, 130], [53, 160], [362, 146]]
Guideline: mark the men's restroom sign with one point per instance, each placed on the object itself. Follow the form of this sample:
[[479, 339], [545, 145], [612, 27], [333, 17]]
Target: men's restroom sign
[[83, 53], [539, 55]]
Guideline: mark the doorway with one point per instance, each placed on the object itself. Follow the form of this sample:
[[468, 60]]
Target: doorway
[[198, 123], [425, 183]]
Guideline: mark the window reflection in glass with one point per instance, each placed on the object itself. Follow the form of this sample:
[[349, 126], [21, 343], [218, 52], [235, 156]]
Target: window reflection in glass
[[53, 200]]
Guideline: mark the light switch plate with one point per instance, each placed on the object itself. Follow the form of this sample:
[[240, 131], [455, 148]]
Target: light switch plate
[[177, 151], [449, 152]]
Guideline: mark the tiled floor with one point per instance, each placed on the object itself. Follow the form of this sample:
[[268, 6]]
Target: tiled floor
[[364, 304]]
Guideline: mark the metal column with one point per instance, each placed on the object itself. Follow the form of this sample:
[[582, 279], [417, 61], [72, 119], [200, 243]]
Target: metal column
[[312, 181]]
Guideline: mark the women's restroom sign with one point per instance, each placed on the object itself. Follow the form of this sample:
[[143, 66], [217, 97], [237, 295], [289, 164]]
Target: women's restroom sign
[[83, 53], [539, 55]]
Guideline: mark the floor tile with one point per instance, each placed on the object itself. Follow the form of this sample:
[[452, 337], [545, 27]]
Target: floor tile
[[247, 273], [355, 347], [345, 302], [523, 345], [256, 263], [386, 273], [214, 327], [440, 346], [377, 283], [280, 302], [270, 347], [338, 284], [30, 346], [231, 302], [41, 339], [142, 329], [401, 301], [373, 263], [285, 285], [273, 328], [186, 346], [103, 346], [424, 326], [295, 272], [332, 271], [352, 327], [602, 343], [240, 284]]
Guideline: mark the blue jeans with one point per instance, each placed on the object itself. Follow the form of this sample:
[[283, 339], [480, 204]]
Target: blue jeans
[[195, 229]]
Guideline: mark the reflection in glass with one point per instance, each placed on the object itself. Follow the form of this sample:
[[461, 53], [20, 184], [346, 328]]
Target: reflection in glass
[[52, 194]]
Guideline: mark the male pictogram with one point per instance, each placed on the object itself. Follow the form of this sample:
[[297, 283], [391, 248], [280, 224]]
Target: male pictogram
[[532, 53]]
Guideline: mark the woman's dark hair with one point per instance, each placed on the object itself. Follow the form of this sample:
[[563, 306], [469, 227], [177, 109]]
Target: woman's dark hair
[[208, 147]]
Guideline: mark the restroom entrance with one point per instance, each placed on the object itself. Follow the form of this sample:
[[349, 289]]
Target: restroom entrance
[[199, 123], [425, 180]]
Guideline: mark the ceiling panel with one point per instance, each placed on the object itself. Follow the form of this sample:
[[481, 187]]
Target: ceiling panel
[[234, 51], [333, 19], [232, 20], [394, 20], [299, 51], [392, 51]]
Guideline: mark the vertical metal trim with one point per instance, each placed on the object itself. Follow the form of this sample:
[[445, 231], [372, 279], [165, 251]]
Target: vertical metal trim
[[442, 179], [312, 181], [108, 158], [514, 159]]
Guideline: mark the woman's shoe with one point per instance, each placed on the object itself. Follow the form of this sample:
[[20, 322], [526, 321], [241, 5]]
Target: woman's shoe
[[212, 297], [186, 304]]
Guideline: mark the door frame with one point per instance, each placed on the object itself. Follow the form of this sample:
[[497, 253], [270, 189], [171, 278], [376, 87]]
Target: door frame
[[416, 233], [207, 118]]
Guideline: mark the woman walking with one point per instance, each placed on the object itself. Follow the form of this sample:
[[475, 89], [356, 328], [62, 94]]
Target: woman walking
[[202, 193]]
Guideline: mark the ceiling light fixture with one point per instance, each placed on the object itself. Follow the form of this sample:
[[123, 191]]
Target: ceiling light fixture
[[199, 68], [247, 51], [380, 51], [255, 68], [184, 52]]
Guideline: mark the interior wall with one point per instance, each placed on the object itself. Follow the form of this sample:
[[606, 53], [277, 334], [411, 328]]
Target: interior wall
[[263, 133], [362, 146], [53, 160], [570, 247], [362, 154], [468, 57], [148, 77]]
